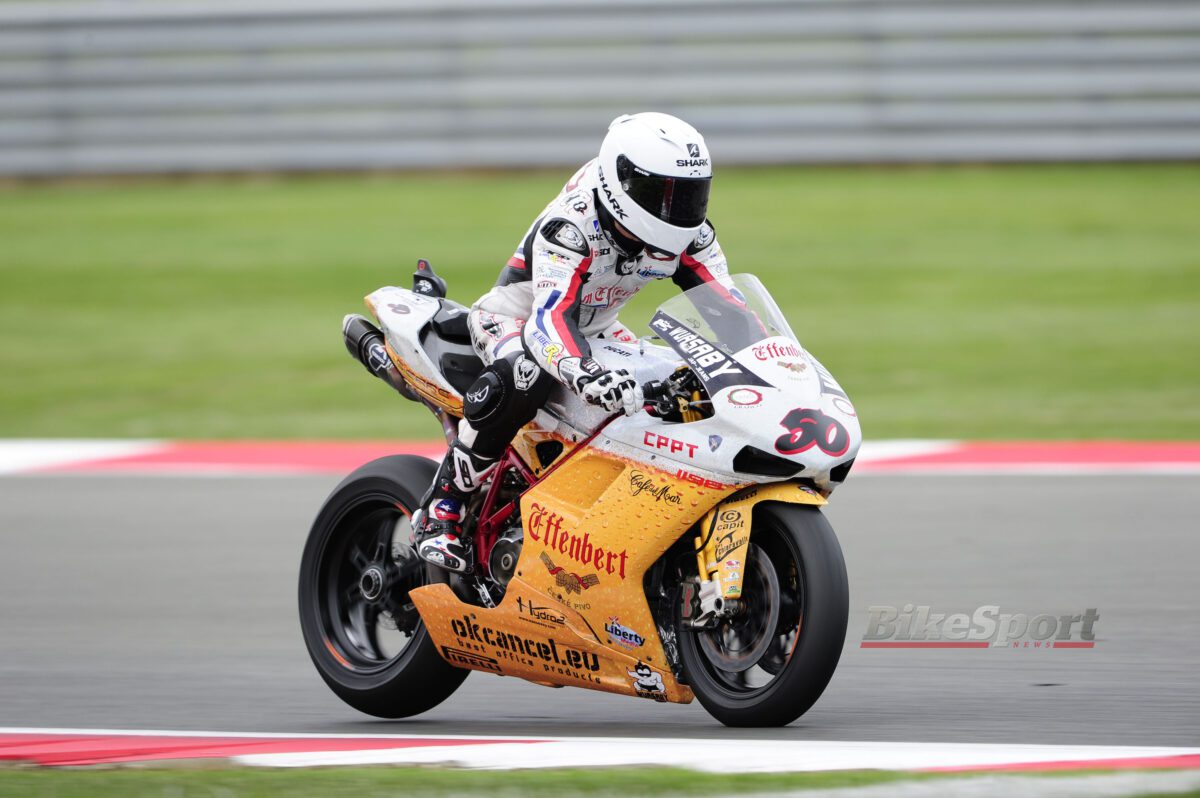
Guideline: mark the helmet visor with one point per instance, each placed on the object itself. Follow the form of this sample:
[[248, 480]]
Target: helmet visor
[[678, 201]]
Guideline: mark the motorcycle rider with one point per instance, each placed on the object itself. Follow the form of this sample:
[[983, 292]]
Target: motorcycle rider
[[634, 214]]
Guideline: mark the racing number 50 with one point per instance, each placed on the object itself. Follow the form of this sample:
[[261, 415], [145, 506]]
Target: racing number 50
[[808, 427]]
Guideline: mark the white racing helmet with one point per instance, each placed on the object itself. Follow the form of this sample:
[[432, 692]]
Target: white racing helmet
[[654, 174]]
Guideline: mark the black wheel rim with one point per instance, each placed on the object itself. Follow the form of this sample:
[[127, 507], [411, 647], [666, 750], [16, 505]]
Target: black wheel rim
[[367, 569], [745, 655]]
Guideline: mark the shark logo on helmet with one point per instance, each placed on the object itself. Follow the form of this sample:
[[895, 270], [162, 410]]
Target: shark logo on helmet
[[616, 206]]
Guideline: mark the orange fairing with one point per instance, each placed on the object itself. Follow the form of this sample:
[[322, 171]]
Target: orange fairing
[[725, 532], [526, 441], [576, 612]]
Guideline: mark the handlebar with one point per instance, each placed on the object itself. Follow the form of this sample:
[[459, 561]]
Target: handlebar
[[673, 397], [657, 390], [658, 395]]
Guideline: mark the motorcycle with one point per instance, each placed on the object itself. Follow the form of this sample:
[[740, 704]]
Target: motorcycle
[[680, 553]]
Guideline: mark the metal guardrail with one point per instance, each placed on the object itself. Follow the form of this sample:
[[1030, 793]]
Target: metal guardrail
[[119, 87]]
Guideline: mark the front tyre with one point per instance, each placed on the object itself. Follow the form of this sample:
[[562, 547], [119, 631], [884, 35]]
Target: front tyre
[[770, 663], [361, 629]]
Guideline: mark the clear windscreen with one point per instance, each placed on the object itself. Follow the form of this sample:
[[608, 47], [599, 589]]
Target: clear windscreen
[[730, 319]]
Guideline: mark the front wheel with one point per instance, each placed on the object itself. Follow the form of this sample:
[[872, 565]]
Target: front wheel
[[771, 662], [360, 626]]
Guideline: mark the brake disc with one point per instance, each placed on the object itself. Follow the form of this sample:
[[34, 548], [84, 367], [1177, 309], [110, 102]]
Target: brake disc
[[737, 644]]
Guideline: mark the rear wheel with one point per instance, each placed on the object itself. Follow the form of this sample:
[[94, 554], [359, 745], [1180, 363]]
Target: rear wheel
[[771, 662], [359, 565]]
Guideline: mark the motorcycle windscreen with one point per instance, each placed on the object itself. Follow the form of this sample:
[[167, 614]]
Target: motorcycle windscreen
[[730, 316], [717, 369]]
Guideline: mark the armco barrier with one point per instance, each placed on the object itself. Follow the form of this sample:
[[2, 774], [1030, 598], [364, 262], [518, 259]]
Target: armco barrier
[[195, 85]]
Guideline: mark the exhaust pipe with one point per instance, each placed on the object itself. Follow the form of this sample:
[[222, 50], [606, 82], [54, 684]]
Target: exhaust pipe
[[365, 343]]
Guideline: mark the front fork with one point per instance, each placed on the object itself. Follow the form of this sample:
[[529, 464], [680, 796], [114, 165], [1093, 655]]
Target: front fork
[[703, 603], [722, 546]]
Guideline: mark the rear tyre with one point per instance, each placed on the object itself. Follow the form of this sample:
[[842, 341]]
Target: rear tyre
[[771, 663], [361, 629]]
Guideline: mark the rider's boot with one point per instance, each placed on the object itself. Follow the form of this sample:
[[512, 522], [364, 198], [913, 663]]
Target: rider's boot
[[439, 521]]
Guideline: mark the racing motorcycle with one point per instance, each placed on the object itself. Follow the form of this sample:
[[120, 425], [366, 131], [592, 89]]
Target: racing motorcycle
[[680, 553]]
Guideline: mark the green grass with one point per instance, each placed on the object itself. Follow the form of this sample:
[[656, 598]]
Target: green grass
[[1001, 302], [380, 781], [374, 782]]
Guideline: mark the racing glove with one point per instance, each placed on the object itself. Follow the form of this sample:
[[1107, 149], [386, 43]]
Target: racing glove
[[611, 390]]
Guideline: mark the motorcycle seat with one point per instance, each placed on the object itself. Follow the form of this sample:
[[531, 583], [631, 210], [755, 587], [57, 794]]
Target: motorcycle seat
[[450, 322]]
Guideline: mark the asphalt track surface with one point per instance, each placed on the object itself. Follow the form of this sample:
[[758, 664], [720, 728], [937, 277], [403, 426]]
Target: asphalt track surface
[[169, 603]]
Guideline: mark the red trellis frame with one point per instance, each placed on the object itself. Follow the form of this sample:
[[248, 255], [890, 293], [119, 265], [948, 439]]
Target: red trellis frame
[[491, 520]]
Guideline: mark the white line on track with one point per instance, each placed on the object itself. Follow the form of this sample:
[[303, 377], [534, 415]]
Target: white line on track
[[874, 451], [721, 756], [728, 755], [19, 455]]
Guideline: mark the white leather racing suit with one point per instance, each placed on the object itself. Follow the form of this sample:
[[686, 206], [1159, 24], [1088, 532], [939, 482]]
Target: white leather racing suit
[[568, 279]]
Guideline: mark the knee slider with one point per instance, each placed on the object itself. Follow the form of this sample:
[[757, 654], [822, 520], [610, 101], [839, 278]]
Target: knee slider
[[485, 400], [532, 383]]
